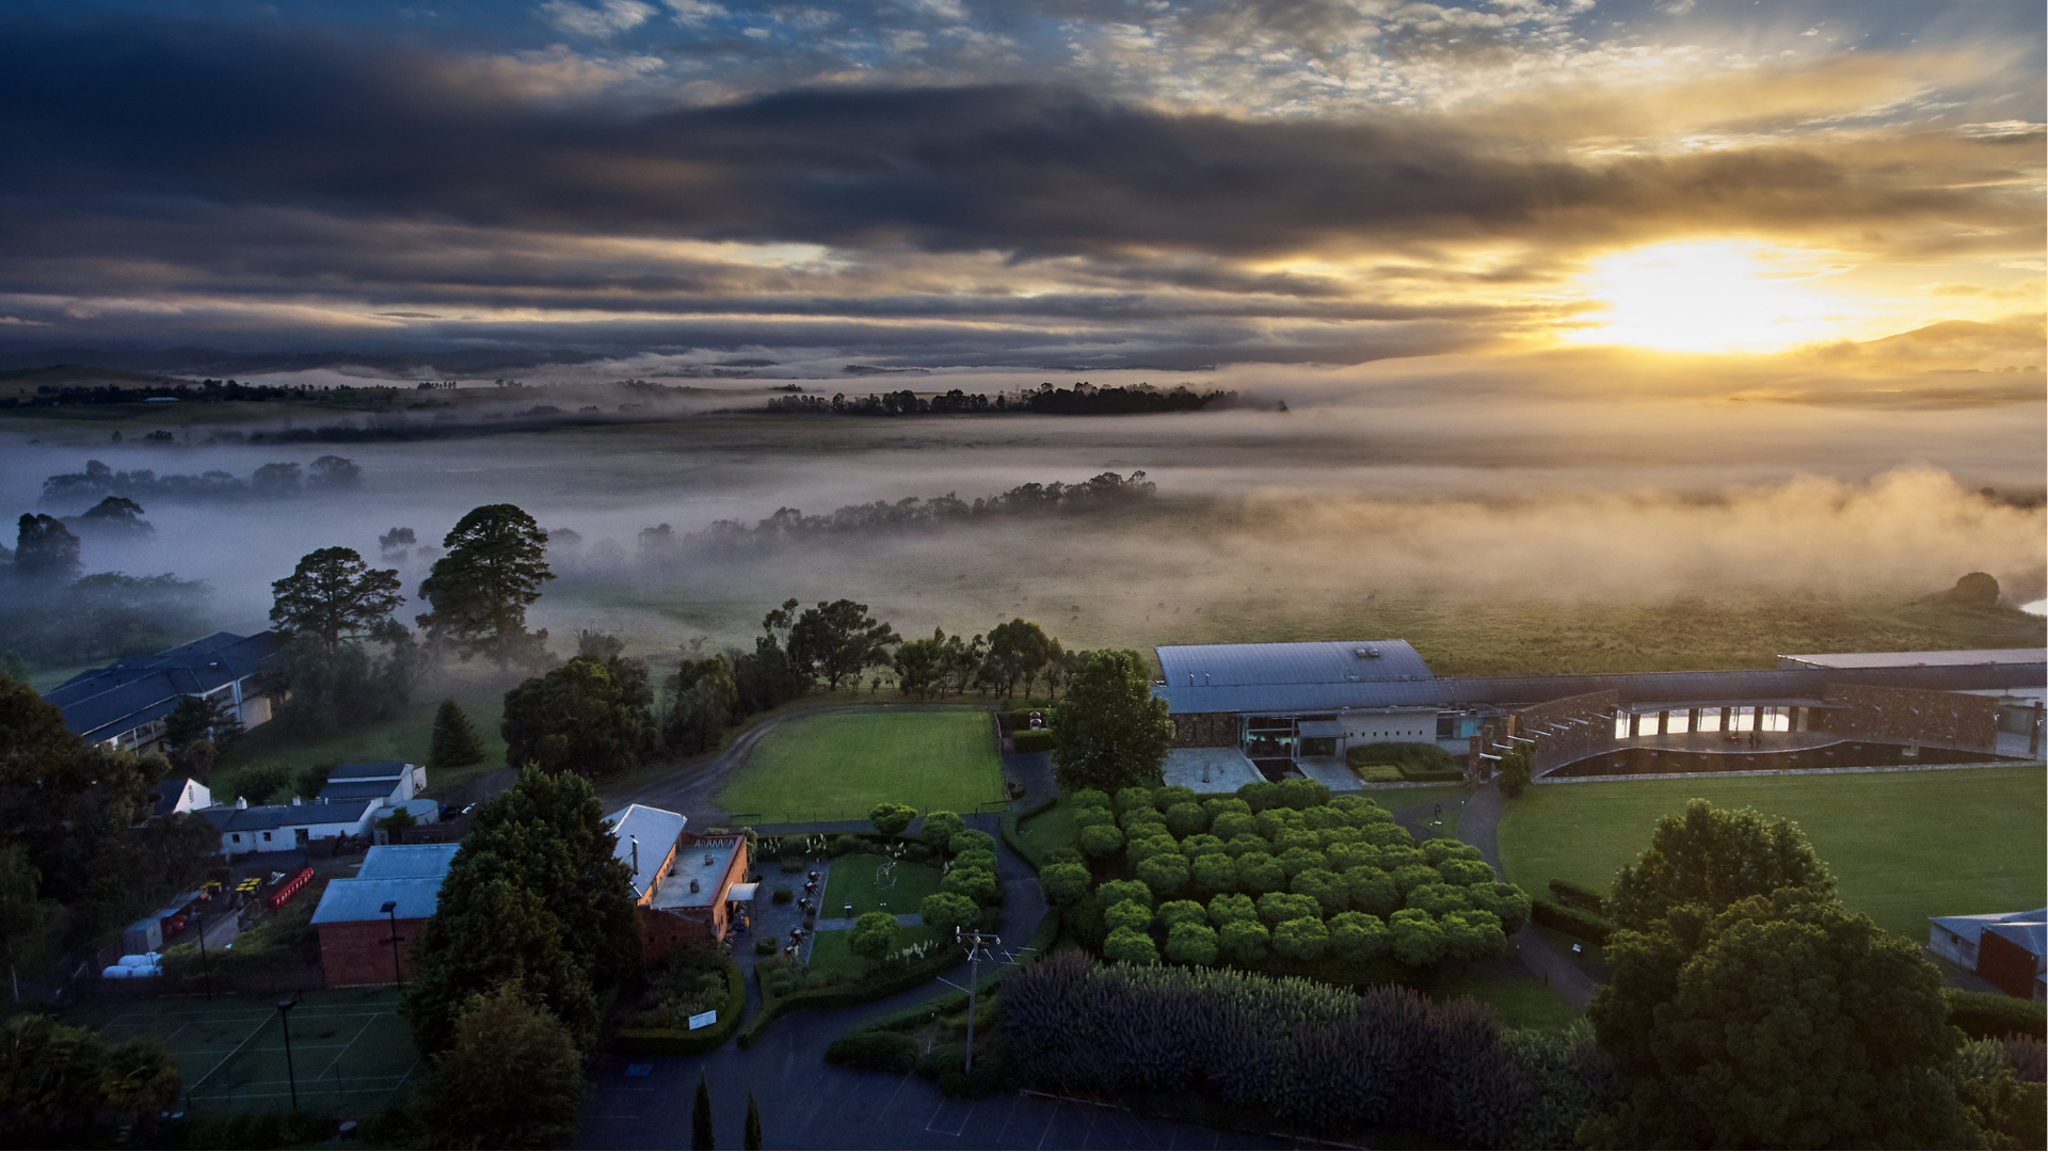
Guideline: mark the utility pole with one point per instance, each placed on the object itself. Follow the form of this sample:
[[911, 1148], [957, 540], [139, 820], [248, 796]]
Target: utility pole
[[390, 909], [977, 948], [284, 1008], [205, 971]]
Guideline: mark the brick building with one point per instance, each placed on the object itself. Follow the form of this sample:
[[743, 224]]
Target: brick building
[[683, 883], [356, 946]]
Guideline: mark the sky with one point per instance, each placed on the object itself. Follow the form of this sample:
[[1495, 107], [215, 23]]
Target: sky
[[1025, 184]]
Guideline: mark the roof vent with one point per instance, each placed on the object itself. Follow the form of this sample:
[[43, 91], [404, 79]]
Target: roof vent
[[1373, 652], [241, 802], [1191, 679], [1361, 653], [1205, 679], [297, 800]]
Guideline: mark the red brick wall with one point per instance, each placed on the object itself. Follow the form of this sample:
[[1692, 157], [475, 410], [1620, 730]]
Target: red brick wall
[[662, 930], [359, 952]]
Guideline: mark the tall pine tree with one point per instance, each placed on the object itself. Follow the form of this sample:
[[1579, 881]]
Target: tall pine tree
[[455, 740], [700, 1116]]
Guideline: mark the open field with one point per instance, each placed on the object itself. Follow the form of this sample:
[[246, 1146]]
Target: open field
[[839, 767], [350, 1050], [856, 880], [1903, 845]]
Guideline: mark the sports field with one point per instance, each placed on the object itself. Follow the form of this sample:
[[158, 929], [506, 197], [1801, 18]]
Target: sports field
[[838, 767], [350, 1050], [1903, 845]]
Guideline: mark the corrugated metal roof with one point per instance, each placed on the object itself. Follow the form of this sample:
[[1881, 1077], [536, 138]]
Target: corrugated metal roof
[[1915, 659], [1971, 928], [262, 816], [394, 861], [657, 829], [346, 901], [336, 790], [2031, 935], [1760, 685], [1318, 662]]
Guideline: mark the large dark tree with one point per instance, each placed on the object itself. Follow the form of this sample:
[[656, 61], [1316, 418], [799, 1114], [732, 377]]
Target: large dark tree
[[454, 741], [589, 716], [1110, 732], [57, 1081], [920, 665], [333, 594], [45, 551], [535, 895], [1781, 1021], [838, 640], [512, 1078], [1018, 650], [703, 696], [481, 589], [1715, 857]]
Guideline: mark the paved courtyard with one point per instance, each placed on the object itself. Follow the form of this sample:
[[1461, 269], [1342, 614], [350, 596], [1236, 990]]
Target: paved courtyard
[[1210, 770]]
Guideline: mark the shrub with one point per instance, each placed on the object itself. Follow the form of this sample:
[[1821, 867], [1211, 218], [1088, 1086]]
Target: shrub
[[1090, 798], [1990, 1015], [1226, 825], [1232, 906], [1260, 795], [782, 896], [940, 828], [971, 840], [1172, 794], [1130, 946], [977, 884], [1304, 793], [1505, 901], [874, 1052], [1083, 921], [1213, 873], [1573, 896], [1358, 936], [1166, 874], [1127, 914], [1186, 819], [948, 910], [764, 947], [1416, 759], [1294, 861], [1245, 843], [1388, 835], [1417, 939], [1134, 800], [1473, 935], [1278, 907], [1099, 840], [1259, 873], [1439, 900], [1181, 912], [1438, 850], [1065, 883], [1465, 873], [1191, 943], [1379, 773], [1032, 740], [891, 819], [1141, 850], [1118, 891], [1138, 818], [1409, 877], [1200, 844], [976, 858], [1091, 815], [1219, 805], [846, 844], [1588, 926], [1275, 821], [1243, 940], [1344, 856], [1323, 886], [1302, 939]]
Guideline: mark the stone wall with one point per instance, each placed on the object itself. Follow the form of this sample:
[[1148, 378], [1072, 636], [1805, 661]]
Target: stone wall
[[1912, 715], [1205, 730]]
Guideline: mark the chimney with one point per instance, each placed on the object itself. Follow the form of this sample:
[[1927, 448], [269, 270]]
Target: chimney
[[694, 886], [241, 802], [636, 854], [707, 857]]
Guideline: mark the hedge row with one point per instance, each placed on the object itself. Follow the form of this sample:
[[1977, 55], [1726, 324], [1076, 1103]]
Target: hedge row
[[683, 1042], [1574, 896], [1591, 927], [1993, 1016], [1032, 740], [901, 980]]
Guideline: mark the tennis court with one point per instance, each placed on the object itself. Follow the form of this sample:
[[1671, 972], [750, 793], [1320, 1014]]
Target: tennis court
[[350, 1051]]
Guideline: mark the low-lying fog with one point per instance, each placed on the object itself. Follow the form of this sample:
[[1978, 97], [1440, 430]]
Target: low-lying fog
[[1423, 478]]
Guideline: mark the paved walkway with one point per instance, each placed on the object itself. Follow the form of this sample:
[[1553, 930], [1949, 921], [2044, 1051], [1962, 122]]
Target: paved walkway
[[1478, 826]]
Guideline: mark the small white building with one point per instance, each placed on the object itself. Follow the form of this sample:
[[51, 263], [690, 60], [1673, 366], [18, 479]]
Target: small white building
[[246, 828], [389, 782]]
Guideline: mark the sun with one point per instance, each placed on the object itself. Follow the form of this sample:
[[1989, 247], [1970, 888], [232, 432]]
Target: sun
[[1706, 297]]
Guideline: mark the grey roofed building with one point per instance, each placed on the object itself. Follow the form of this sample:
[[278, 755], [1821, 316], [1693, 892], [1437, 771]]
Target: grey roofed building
[[354, 789], [401, 861], [375, 770], [657, 831], [123, 704], [345, 901]]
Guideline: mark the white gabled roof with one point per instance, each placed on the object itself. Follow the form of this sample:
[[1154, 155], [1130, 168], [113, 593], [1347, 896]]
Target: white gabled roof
[[657, 829]]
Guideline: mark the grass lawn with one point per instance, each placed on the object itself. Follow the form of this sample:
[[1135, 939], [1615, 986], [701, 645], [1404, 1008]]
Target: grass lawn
[[853, 880], [830, 954], [351, 1050], [1050, 829], [837, 767], [1423, 802], [1903, 845], [1521, 997]]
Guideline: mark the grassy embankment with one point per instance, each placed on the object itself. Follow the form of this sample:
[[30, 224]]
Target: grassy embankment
[[1903, 846], [837, 767]]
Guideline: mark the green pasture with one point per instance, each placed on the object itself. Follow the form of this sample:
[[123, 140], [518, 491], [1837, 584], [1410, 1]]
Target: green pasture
[[858, 880], [350, 1050], [1903, 845], [837, 767]]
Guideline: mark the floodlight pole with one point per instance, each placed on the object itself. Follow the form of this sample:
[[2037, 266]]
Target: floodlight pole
[[284, 1008], [390, 909], [205, 971], [977, 943]]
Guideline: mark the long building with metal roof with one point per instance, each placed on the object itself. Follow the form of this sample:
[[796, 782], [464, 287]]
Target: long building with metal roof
[[123, 704]]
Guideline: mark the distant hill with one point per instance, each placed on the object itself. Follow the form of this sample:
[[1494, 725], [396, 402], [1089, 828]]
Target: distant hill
[[25, 381]]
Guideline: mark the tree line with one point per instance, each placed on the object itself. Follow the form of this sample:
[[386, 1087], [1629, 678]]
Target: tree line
[[1082, 399], [275, 481], [51, 612]]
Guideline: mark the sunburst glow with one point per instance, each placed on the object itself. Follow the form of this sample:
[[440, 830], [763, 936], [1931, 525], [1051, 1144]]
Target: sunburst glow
[[1706, 297]]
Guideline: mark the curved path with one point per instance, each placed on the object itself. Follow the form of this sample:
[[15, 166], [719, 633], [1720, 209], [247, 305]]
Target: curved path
[[1479, 826]]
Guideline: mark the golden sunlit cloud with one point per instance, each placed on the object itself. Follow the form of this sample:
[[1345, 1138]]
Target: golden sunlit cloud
[[1714, 296]]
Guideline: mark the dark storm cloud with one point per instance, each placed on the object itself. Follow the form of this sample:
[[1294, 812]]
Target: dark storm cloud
[[352, 128]]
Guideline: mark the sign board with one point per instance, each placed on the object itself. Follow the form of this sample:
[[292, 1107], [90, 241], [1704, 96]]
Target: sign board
[[703, 1019]]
